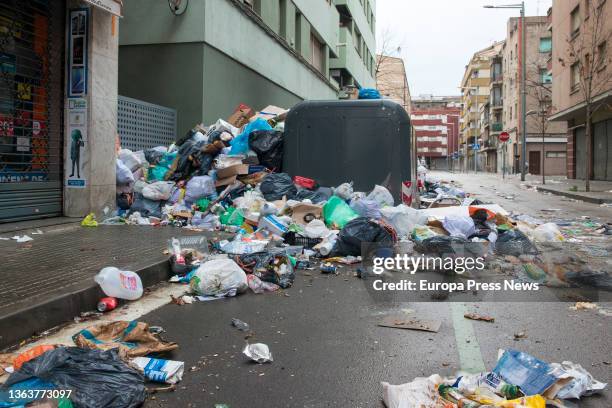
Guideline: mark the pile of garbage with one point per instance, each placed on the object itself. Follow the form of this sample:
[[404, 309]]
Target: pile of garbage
[[519, 380]]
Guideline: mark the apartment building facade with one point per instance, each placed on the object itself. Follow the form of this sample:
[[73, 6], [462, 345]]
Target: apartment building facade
[[391, 80], [546, 140], [573, 25], [219, 53], [475, 88], [435, 120]]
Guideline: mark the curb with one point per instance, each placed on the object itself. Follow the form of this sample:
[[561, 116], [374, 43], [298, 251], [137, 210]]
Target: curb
[[576, 196], [21, 324]]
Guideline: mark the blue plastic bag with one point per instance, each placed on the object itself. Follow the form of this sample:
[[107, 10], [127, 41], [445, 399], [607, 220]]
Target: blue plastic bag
[[369, 93], [240, 144], [531, 375]]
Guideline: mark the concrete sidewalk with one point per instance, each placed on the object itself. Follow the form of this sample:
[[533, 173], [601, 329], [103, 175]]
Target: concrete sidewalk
[[48, 281], [601, 191]]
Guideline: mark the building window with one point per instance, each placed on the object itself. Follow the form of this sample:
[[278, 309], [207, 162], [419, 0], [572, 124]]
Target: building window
[[602, 54], [574, 77], [575, 21], [317, 50], [545, 77], [556, 155], [546, 44], [298, 32]]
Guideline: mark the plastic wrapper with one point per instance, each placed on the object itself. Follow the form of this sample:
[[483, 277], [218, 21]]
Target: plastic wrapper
[[316, 229], [421, 392], [199, 187], [382, 196], [232, 216], [275, 186], [240, 247], [258, 286], [422, 232], [548, 232], [403, 218], [219, 277], [582, 382], [162, 170], [358, 232], [89, 221], [366, 208], [337, 213], [97, 378], [459, 226], [158, 370], [344, 191], [268, 144], [258, 352], [158, 191], [527, 372]]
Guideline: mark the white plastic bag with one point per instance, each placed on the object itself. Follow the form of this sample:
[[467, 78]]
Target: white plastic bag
[[344, 190], [129, 159], [459, 226], [366, 208], [382, 196], [158, 191], [583, 383], [421, 392], [120, 284], [199, 187], [219, 277], [548, 233], [403, 218], [316, 229], [124, 174]]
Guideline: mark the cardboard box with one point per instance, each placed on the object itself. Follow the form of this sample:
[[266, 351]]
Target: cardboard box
[[302, 210], [235, 170], [269, 112], [226, 181], [241, 115]]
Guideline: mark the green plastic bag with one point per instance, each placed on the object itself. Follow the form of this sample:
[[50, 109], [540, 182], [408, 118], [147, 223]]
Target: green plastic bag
[[202, 204], [337, 213], [232, 217]]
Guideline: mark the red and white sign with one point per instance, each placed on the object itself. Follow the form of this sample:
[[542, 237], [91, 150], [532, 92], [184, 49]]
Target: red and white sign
[[504, 137]]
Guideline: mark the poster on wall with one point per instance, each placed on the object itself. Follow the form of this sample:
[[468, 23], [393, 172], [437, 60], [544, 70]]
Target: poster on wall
[[77, 52], [76, 144]]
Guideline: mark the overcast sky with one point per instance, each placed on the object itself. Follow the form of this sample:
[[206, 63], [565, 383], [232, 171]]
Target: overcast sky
[[438, 37]]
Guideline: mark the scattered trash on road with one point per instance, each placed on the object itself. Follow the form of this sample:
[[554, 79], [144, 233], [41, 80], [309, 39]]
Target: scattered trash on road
[[258, 352]]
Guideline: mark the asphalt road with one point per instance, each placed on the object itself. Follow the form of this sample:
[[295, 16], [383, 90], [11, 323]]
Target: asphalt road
[[329, 351]]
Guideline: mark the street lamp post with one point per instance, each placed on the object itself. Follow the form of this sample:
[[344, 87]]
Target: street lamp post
[[521, 6]]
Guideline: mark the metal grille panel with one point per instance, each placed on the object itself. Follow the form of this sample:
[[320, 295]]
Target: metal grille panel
[[142, 125], [31, 105]]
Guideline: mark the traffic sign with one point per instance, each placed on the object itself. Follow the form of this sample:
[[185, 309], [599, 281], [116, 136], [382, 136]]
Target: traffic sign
[[504, 137], [476, 146]]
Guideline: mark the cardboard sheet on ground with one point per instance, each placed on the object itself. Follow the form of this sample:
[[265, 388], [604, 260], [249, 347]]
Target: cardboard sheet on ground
[[441, 213], [132, 338], [411, 323]]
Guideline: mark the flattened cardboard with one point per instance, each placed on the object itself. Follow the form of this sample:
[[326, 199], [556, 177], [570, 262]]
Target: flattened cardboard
[[235, 170], [301, 210], [411, 323]]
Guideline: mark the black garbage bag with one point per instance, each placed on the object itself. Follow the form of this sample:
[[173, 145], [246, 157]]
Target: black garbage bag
[[268, 144], [358, 233], [189, 160], [315, 196], [97, 378], [146, 207], [153, 156], [599, 280], [277, 185], [443, 245], [125, 200], [514, 242]]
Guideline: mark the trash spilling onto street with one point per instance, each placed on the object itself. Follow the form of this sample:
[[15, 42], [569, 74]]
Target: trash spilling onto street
[[519, 380]]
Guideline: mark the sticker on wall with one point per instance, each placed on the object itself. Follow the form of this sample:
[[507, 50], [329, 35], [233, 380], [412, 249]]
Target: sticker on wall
[[77, 52], [76, 144]]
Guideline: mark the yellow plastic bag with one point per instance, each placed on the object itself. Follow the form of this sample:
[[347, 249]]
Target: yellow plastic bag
[[89, 221], [533, 401]]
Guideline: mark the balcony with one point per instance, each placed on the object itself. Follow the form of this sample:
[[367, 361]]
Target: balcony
[[497, 127], [497, 103]]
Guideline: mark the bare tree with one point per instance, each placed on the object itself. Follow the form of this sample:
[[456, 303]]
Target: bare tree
[[388, 48], [540, 91], [587, 53]]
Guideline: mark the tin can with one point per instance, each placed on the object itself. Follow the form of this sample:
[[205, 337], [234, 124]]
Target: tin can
[[107, 304], [328, 268]]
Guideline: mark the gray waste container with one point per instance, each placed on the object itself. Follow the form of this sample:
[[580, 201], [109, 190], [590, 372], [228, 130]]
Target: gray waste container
[[364, 141]]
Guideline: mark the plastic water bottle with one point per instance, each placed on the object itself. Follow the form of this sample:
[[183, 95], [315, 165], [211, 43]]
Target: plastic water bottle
[[119, 284]]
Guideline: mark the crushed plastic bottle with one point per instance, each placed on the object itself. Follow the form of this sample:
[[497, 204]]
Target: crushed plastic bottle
[[240, 325]]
